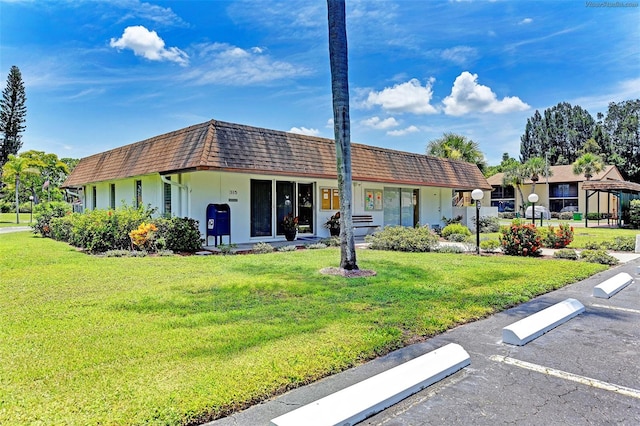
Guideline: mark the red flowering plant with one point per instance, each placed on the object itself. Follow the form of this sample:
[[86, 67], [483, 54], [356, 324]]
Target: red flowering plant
[[520, 240], [560, 237]]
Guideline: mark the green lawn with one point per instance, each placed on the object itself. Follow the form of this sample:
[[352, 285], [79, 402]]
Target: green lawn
[[171, 340], [9, 219]]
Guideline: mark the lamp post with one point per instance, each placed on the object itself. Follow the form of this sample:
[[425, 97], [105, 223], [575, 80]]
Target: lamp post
[[533, 199], [477, 195], [31, 199]]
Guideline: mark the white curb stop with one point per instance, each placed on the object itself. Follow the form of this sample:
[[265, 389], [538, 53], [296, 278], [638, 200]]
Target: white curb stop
[[522, 332], [608, 288], [368, 397]]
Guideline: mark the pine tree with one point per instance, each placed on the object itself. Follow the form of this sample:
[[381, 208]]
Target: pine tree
[[13, 111]]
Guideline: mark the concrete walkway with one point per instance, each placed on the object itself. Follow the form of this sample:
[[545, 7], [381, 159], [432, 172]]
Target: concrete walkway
[[16, 228], [584, 372]]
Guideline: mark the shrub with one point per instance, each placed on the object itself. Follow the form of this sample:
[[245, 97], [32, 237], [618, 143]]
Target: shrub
[[180, 234], [455, 228], [117, 253], [489, 224], [558, 238], [317, 246], [565, 216], [489, 245], [5, 206], [446, 248], [459, 238], [634, 214], [262, 248], [400, 238], [453, 220], [598, 256], [143, 238], [45, 212], [594, 245], [620, 243], [596, 216], [331, 241], [520, 240], [61, 228], [566, 254], [288, 248]]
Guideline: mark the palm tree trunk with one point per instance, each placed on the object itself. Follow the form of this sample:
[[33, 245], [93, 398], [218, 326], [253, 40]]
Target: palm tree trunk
[[340, 90], [17, 199]]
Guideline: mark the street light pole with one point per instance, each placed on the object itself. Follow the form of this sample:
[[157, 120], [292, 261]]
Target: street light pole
[[477, 195], [533, 199]]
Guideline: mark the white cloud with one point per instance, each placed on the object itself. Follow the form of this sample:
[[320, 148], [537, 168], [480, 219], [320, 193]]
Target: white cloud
[[467, 96], [402, 132], [149, 45], [305, 131], [459, 55], [378, 123], [409, 97], [226, 64], [525, 21]]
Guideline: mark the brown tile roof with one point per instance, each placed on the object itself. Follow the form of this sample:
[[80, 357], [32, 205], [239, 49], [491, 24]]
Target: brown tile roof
[[563, 174], [216, 145]]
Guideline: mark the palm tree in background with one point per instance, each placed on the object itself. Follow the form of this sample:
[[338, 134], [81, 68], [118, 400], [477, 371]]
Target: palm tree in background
[[536, 167], [588, 165], [457, 147], [515, 175], [341, 124], [14, 169]]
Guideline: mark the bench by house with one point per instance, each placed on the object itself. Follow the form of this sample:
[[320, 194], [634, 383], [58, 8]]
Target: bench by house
[[363, 221]]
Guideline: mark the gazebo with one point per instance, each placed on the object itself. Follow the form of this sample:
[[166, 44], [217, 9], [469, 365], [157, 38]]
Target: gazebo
[[623, 190]]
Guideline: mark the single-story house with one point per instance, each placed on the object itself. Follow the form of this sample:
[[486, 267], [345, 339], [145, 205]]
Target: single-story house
[[259, 176], [606, 192]]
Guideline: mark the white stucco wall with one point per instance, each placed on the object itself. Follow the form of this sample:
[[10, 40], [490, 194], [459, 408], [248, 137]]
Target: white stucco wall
[[201, 188]]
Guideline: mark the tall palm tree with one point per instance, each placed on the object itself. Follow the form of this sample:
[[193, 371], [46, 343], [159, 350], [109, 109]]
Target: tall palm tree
[[340, 89], [588, 165], [536, 167], [13, 170], [514, 176]]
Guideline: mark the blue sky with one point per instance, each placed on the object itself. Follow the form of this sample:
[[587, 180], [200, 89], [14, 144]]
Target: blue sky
[[102, 74]]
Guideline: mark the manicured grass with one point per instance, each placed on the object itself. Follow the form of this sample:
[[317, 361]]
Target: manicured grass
[[9, 219], [171, 340], [581, 236]]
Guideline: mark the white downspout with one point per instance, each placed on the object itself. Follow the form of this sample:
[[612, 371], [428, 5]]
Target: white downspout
[[181, 186]]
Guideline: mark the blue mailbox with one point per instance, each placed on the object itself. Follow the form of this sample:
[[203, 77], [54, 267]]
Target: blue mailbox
[[218, 222]]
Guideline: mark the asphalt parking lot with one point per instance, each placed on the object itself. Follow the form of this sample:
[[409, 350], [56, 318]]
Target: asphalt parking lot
[[584, 372]]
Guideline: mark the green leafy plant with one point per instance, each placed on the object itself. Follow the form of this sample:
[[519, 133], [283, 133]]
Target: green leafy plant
[[455, 228], [634, 214], [559, 237], [45, 212], [316, 246], [520, 240], [400, 238], [489, 245], [489, 224], [621, 243], [566, 254], [598, 256], [180, 233], [262, 248]]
